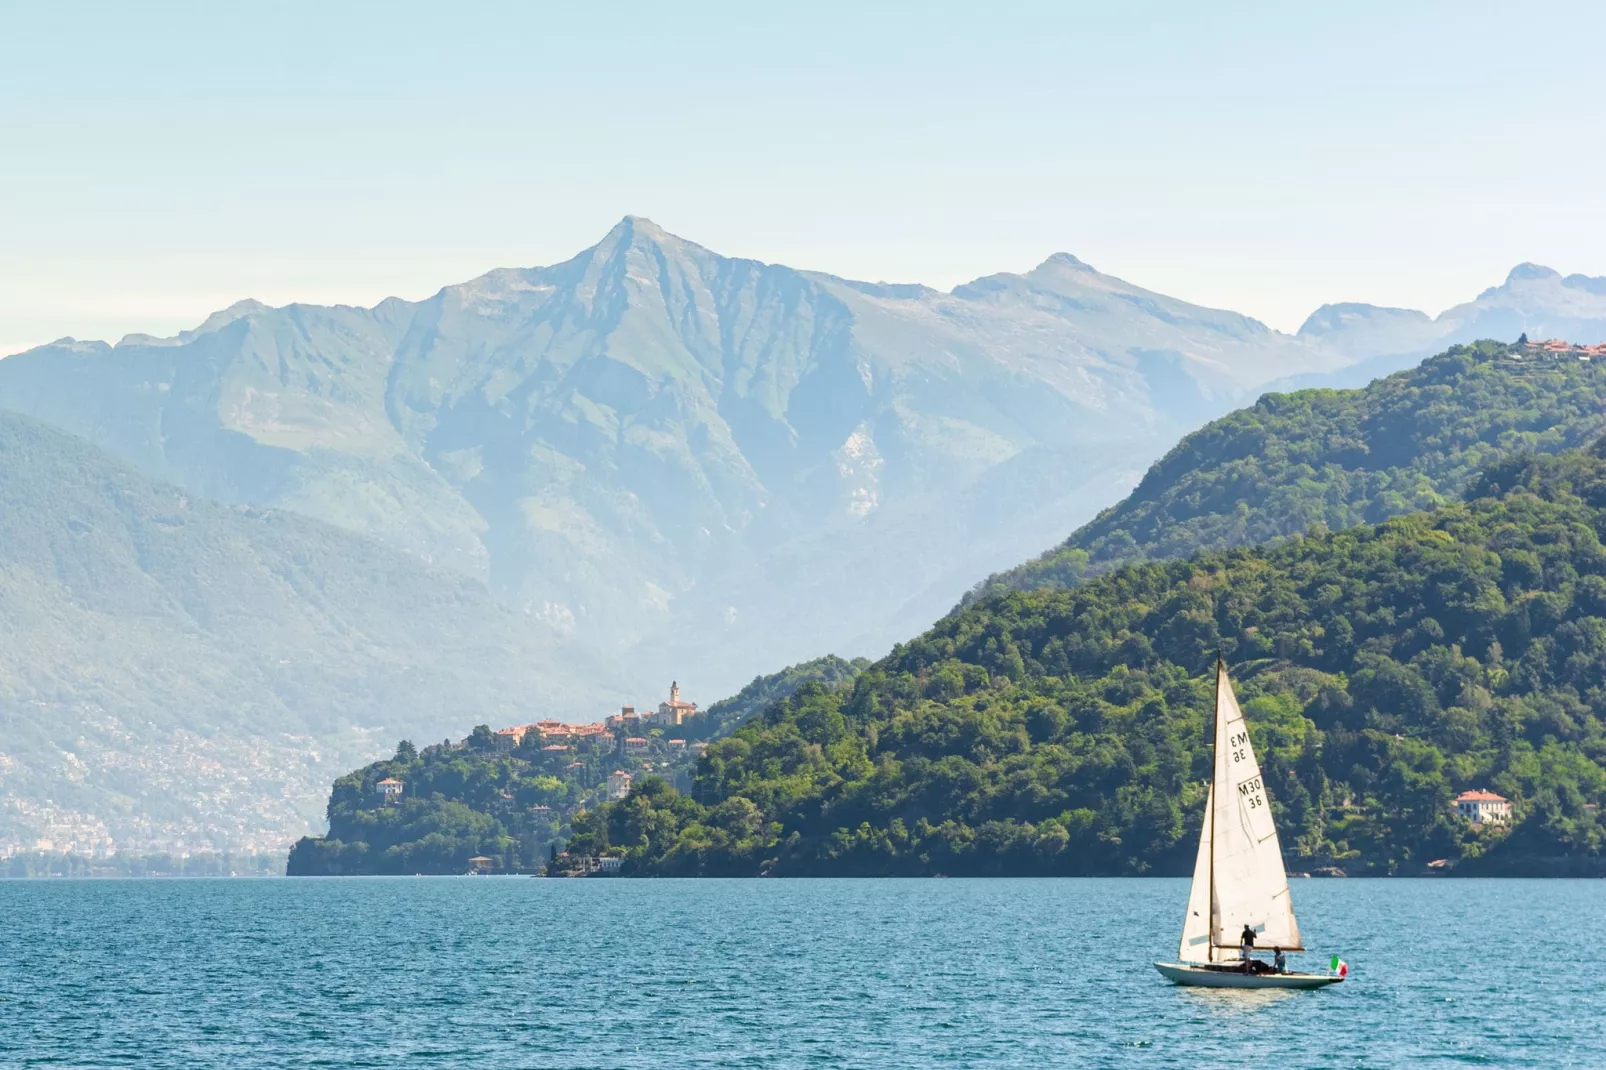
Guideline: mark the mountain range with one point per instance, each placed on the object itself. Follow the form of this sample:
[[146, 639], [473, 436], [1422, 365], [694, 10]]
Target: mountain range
[[662, 462]]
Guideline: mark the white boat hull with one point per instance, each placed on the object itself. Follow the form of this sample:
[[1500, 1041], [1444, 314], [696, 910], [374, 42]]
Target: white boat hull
[[1215, 977]]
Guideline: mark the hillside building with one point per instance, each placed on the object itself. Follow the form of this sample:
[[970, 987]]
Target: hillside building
[[618, 784], [627, 718], [674, 712], [1483, 807], [390, 789]]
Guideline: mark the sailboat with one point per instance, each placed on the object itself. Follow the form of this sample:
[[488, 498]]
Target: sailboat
[[1238, 876]]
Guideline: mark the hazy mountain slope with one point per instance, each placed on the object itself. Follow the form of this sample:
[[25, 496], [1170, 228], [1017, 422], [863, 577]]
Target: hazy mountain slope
[[1534, 300], [1336, 458], [175, 672], [698, 465]]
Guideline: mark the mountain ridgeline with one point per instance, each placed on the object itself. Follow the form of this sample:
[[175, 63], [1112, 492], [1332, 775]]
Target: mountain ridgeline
[[701, 466], [698, 466], [1062, 731], [1331, 459]]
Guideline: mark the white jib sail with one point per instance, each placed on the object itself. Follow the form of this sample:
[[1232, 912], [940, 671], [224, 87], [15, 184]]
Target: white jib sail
[[1196, 923], [1249, 884]]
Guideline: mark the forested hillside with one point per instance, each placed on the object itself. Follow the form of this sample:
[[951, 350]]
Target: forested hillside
[[726, 715], [472, 798], [1061, 731], [1336, 458]]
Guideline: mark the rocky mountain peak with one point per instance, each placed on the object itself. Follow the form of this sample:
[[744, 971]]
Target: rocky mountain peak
[[1526, 271]]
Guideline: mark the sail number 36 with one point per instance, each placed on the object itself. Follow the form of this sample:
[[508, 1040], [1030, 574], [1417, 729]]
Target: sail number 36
[[1250, 791]]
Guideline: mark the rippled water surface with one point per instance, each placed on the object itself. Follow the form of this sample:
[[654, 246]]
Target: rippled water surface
[[518, 972]]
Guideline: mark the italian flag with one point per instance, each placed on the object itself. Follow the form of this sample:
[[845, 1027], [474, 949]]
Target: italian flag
[[1338, 966]]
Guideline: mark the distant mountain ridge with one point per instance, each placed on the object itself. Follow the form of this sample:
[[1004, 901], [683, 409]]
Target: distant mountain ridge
[[1534, 300], [699, 466]]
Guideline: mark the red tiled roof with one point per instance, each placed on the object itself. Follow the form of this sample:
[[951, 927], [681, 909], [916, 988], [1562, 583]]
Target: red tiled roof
[[1480, 796]]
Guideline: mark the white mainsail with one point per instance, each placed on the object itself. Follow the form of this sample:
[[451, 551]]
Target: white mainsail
[[1196, 923], [1248, 883]]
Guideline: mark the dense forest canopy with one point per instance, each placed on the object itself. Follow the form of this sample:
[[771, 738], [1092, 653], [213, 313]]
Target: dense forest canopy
[[726, 715], [1062, 731], [1336, 458]]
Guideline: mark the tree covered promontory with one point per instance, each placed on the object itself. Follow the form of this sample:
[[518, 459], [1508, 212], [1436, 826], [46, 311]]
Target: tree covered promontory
[[473, 798], [1336, 458], [1062, 731]]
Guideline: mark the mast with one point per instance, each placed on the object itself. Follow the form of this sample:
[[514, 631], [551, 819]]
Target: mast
[[1215, 716]]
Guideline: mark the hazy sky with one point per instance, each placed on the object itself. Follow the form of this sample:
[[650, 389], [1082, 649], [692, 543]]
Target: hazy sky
[[159, 161]]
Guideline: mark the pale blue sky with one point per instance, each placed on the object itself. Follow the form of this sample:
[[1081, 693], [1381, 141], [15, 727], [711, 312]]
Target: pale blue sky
[[161, 160]]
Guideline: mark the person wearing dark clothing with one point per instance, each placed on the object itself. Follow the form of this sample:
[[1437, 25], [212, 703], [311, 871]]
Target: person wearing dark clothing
[[1248, 941]]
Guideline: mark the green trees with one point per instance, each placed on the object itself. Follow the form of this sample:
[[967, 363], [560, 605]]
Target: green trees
[[457, 802], [1061, 731], [1332, 459], [513, 805]]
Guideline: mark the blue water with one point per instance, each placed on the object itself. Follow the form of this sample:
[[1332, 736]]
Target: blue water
[[517, 972]]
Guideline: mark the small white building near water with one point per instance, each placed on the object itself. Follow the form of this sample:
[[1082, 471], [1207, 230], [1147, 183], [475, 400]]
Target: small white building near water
[[1483, 807]]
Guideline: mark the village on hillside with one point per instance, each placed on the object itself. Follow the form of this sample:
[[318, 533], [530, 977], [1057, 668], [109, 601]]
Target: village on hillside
[[599, 760], [1558, 347]]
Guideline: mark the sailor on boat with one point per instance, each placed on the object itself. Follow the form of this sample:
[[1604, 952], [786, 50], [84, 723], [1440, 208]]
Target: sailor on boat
[[1238, 875]]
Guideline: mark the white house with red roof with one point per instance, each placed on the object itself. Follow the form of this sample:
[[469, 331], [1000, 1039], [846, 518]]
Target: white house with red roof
[[1483, 807]]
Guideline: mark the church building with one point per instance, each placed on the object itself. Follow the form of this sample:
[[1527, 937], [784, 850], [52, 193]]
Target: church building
[[674, 711]]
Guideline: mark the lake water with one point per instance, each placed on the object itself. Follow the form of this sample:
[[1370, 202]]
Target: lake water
[[518, 972]]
